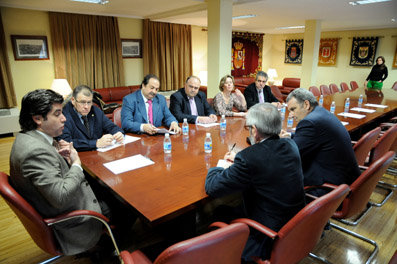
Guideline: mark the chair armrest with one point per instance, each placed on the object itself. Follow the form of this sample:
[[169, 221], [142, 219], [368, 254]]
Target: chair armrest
[[257, 226], [362, 168], [76, 214], [136, 257], [353, 142], [218, 225]]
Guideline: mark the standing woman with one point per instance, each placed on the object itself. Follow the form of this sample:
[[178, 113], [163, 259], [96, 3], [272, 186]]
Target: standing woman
[[377, 75], [226, 99]]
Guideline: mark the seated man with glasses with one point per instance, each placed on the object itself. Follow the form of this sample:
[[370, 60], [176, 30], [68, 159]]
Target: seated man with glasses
[[190, 103], [268, 174], [86, 125], [259, 92]]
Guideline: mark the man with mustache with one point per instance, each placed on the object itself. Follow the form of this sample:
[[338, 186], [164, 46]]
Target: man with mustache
[[145, 110]]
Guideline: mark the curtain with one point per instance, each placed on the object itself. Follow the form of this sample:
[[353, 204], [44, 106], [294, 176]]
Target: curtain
[[87, 50], [167, 53], [7, 93]]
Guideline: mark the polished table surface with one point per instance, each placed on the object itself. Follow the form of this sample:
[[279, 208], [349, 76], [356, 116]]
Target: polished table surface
[[175, 183]]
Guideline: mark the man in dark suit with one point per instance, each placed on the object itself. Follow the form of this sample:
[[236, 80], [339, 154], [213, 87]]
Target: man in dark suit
[[190, 103], [145, 110], [86, 125], [324, 143], [40, 173], [268, 174], [259, 92]]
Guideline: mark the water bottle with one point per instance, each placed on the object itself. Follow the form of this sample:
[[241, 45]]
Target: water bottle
[[185, 127], [332, 109], [223, 123], [168, 160], [360, 100], [282, 112], [347, 104], [185, 140], [321, 100], [208, 143], [167, 143], [290, 123]]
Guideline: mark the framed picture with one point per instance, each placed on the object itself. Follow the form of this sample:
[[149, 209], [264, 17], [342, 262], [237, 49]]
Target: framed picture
[[395, 59], [131, 48], [30, 47]]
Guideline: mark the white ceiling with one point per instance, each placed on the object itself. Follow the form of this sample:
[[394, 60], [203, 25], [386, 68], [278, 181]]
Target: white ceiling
[[335, 15]]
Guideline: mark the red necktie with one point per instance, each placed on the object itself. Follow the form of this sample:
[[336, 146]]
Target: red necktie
[[150, 111]]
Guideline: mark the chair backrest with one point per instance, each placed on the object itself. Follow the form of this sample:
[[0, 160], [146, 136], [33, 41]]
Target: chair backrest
[[300, 235], [334, 88], [41, 234], [383, 144], [117, 116], [353, 85], [224, 245], [365, 144], [315, 91], [363, 186], [324, 90], [394, 87], [344, 87], [276, 92]]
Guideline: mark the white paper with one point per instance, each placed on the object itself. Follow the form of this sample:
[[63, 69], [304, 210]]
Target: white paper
[[127, 164], [222, 163], [127, 139], [345, 123], [163, 131], [376, 105], [365, 110], [357, 116], [208, 125]]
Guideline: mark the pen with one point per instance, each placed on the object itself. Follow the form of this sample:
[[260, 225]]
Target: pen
[[233, 147]]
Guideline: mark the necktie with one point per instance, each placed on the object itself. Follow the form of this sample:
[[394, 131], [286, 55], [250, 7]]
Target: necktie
[[86, 124], [150, 111], [260, 94], [193, 107]]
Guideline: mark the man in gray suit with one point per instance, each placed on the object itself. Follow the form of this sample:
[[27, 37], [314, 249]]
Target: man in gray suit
[[40, 172]]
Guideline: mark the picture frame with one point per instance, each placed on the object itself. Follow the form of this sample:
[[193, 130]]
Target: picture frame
[[26, 47], [131, 48], [395, 59]]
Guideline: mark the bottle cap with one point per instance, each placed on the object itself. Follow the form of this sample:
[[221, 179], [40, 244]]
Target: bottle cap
[[223, 116], [167, 134], [185, 120], [208, 134]]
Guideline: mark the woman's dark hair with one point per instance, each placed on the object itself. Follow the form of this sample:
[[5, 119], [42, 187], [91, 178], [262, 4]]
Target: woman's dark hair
[[382, 66], [147, 78], [37, 102]]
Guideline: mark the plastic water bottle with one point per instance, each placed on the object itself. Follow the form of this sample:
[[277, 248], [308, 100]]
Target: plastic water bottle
[[185, 140], [290, 123], [185, 127], [167, 143], [223, 123], [208, 143], [332, 109], [321, 100], [282, 112], [347, 104], [360, 100]]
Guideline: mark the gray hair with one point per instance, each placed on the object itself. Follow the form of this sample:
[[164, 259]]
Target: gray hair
[[266, 119], [301, 95], [87, 91], [261, 73]]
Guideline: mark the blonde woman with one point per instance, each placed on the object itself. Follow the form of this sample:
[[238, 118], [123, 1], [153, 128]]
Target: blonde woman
[[228, 98]]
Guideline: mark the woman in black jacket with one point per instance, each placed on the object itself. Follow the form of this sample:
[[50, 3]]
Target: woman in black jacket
[[377, 75]]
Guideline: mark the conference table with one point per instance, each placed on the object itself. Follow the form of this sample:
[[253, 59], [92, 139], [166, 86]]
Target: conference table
[[174, 184]]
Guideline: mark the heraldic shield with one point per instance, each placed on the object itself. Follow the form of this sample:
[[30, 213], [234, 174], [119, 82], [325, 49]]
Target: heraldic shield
[[293, 51], [363, 51]]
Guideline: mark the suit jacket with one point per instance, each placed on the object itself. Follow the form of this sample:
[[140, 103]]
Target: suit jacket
[[44, 179], [251, 95], [180, 106], [76, 132], [270, 176], [133, 113], [325, 148]]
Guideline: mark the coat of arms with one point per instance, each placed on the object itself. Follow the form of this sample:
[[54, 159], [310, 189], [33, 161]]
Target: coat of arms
[[238, 53], [363, 51]]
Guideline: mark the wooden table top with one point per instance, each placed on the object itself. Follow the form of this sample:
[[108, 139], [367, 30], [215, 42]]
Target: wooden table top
[[175, 183]]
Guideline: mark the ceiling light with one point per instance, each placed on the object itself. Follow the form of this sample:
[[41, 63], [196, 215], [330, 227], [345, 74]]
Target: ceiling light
[[102, 2], [292, 27], [244, 16], [365, 2]]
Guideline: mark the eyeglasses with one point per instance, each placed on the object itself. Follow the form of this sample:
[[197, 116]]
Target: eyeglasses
[[247, 127], [84, 102], [194, 87]]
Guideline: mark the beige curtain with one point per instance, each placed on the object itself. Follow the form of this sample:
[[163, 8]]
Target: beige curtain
[[87, 50], [167, 52], [7, 93]]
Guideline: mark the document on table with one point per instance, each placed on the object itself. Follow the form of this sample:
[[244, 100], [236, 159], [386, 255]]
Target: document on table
[[376, 105], [163, 131], [357, 116], [208, 125], [345, 123], [127, 164], [365, 110], [223, 163], [127, 139]]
